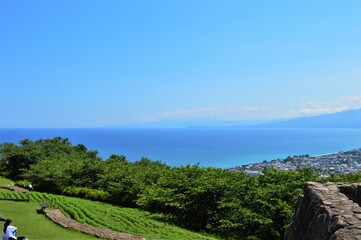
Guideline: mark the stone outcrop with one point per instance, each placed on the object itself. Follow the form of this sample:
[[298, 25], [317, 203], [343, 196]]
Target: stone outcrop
[[327, 212]]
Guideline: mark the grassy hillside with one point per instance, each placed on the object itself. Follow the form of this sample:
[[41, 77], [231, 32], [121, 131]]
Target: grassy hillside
[[127, 220], [37, 226]]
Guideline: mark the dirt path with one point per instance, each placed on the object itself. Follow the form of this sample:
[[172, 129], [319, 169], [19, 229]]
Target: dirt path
[[15, 188], [59, 218]]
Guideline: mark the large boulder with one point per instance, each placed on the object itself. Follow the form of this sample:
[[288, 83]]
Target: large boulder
[[327, 212]]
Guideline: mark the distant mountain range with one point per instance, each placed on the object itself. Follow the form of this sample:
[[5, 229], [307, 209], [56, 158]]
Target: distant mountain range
[[188, 124], [346, 119]]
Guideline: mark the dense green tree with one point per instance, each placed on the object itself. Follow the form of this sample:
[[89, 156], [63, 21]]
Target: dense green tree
[[229, 204], [50, 175], [51, 164], [125, 180], [205, 199], [15, 160]]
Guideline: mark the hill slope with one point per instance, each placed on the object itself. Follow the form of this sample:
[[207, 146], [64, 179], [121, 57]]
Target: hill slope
[[127, 220]]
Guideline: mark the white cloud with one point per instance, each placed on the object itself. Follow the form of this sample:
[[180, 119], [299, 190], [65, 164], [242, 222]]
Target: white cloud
[[317, 108], [260, 112]]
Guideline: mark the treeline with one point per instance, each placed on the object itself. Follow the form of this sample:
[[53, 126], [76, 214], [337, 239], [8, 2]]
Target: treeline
[[227, 204]]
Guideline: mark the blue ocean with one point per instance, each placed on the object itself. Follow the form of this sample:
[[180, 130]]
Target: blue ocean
[[224, 148]]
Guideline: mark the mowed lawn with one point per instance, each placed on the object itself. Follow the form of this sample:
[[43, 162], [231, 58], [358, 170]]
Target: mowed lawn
[[36, 226], [32, 225]]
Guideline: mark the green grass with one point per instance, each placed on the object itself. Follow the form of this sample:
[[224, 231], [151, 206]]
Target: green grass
[[37, 226], [127, 220], [4, 181]]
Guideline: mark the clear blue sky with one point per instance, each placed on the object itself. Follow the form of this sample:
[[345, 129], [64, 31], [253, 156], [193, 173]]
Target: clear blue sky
[[98, 63]]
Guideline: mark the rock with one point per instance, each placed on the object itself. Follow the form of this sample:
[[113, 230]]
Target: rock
[[327, 212]]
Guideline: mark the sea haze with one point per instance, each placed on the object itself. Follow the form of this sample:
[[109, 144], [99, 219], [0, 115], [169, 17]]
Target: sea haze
[[207, 147]]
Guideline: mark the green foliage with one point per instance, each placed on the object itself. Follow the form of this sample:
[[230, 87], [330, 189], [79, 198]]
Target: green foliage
[[50, 175], [22, 183], [88, 193], [16, 160], [350, 177], [125, 180], [51, 164], [229, 204]]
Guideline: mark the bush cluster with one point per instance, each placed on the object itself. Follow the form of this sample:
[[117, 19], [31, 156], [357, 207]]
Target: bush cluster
[[88, 193]]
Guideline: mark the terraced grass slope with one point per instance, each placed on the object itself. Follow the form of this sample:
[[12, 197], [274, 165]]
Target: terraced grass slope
[[127, 220], [37, 226]]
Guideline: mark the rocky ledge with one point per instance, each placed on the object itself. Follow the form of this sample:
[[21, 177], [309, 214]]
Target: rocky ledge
[[327, 212]]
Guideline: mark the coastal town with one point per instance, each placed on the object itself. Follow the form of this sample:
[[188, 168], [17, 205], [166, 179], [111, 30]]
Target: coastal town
[[333, 163]]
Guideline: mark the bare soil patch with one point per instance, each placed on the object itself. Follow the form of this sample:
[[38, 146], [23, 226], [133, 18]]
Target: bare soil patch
[[15, 188]]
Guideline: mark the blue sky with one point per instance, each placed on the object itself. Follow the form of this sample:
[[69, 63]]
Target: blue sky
[[98, 63]]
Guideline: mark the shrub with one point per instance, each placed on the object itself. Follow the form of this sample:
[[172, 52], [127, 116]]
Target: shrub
[[88, 193], [22, 183]]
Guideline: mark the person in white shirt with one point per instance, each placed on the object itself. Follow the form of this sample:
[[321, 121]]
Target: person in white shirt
[[9, 231]]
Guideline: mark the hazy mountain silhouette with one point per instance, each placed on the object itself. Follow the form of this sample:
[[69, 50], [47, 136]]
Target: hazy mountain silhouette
[[346, 119], [189, 124]]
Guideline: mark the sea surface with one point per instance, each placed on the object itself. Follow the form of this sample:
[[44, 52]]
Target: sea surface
[[225, 148]]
